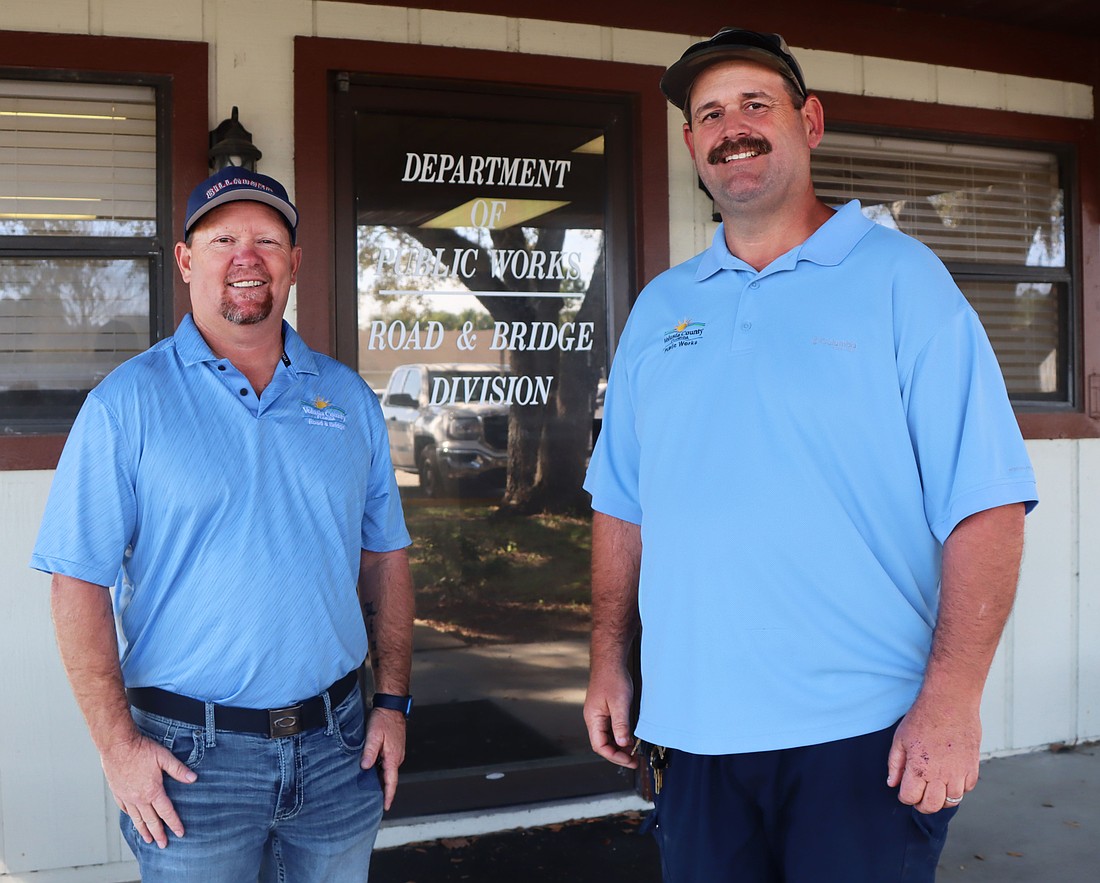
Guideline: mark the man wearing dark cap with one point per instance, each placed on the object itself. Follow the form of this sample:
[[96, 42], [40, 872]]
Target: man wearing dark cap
[[809, 493], [221, 498]]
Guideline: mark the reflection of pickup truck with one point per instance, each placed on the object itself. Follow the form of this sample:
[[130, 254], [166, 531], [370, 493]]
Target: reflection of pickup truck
[[452, 440]]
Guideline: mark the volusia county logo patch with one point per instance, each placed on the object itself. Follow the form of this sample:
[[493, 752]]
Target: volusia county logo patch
[[685, 333], [321, 412]]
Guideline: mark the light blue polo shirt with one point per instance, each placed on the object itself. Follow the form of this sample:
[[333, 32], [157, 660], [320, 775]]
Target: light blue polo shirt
[[796, 444], [230, 526]]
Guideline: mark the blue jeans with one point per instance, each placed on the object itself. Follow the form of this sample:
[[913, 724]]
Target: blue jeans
[[294, 810]]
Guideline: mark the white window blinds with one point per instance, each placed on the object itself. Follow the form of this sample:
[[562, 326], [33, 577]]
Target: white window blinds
[[994, 215], [77, 159], [966, 202], [78, 246]]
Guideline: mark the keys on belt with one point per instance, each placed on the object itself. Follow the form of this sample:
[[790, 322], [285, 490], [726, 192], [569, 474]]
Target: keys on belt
[[658, 758]]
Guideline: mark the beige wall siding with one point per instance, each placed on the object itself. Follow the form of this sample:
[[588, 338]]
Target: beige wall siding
[[54, 804], [1045, 685]]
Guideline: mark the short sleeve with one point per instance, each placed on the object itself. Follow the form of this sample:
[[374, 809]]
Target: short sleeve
[[967, 442], [91, 509], [613, 470], [383, 528]]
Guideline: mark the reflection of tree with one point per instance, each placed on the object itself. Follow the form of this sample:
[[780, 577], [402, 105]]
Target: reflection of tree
[[83, 316], [547, 444]]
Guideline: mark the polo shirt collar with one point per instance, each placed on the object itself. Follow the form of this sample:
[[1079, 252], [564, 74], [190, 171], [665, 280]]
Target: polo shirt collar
[[834, 240], [827, 246], [302, 358], [193, 348]]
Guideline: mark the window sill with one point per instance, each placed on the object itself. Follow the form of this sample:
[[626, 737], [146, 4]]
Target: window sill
[[1071, 424], [27, 452]]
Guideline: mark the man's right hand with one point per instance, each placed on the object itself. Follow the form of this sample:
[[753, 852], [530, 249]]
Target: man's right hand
[[134, 765], [135, 771], [607, 714]]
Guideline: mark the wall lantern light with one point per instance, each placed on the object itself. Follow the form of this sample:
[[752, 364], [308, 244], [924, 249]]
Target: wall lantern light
[[231, 145]]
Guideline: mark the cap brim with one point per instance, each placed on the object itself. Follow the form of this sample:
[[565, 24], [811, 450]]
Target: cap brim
[[280, 205]]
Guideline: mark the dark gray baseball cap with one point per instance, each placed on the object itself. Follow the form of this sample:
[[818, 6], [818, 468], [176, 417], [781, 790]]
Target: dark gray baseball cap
[[727, 45]]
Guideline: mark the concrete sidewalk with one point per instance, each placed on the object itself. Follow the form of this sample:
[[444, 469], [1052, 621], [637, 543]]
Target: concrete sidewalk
[[1033, 818]]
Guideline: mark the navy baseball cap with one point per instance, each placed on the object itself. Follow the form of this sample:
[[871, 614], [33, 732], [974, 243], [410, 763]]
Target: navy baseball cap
[[232, 184], [727, 45]]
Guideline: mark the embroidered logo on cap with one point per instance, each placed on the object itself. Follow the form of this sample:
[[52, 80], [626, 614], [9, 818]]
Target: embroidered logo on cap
[[211, 192]]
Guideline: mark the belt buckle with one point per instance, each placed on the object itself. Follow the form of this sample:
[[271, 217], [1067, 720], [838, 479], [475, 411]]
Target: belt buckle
[[284, 721]]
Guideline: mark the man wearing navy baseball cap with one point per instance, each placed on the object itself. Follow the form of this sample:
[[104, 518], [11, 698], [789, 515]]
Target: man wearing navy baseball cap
[[819, 610], [227, 499]]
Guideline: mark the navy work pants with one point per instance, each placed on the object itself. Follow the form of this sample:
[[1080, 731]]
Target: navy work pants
[[816, 814]]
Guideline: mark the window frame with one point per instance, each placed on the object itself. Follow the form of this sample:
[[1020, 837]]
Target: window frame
[[317, 63], [318, 59], [1078, 145], [178, 70], [149, 250]]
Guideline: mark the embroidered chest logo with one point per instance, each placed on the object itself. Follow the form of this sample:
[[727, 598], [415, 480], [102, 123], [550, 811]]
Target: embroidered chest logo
[[684, 333], [321, 412], [846, 346]]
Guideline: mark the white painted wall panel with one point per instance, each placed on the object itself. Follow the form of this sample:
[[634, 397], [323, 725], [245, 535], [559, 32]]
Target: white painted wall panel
[[51, 792], [996, 707], [1088, 615], [1044, 622], [1045, 682], [257, 75], [904, 80], [181, 19], [646, 47], [353, 21], [55, 17], [831, 71], [465, 30], [970, 88], [555, 38]]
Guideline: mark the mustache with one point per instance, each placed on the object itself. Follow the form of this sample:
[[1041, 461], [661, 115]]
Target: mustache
[[750, 144]]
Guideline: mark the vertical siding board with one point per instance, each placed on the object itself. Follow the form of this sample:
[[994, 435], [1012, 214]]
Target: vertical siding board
[[1044, 656], [996, 707], [1088, 620], [1045, 682], [51, 793]]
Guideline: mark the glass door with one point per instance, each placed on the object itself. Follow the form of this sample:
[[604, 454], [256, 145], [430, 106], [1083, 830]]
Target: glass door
[[485, 242]]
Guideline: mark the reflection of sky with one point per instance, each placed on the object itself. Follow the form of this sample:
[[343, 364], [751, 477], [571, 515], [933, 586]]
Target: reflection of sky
[[880, 214], [97, 312], [77, 227], [1044, 253], [584, 242], [1048, 242]]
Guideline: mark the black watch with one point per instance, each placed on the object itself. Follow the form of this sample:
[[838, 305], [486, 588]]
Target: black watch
[[404, 704]]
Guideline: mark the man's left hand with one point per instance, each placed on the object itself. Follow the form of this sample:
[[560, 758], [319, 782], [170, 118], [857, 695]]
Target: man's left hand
[[385, 740], [935, 756]]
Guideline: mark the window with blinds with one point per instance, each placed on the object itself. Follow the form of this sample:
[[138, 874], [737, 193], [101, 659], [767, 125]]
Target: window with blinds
[[79, 245], [995, 216]]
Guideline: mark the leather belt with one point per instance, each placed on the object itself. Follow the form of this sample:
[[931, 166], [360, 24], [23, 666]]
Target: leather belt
[[274, 723]]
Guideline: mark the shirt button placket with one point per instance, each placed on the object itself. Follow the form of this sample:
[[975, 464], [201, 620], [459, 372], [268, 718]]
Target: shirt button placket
[[744, 325]]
